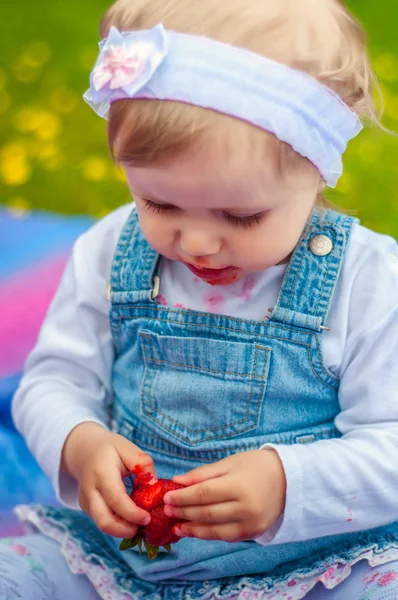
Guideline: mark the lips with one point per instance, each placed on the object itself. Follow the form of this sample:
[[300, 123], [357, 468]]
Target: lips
[[211, 274]]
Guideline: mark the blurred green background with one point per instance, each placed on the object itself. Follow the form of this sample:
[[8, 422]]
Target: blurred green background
[[53, 150]]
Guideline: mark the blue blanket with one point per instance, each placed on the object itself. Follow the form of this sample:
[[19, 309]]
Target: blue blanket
[[33, 252]]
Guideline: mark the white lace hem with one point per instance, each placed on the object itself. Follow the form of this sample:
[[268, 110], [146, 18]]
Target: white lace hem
[[104, 582], [298, 587]]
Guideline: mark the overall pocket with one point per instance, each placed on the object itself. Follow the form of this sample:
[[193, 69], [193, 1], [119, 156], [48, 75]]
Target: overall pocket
[[200, 390]]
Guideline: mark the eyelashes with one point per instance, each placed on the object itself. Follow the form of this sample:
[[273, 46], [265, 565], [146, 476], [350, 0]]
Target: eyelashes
[[157, 208], [244, 222]]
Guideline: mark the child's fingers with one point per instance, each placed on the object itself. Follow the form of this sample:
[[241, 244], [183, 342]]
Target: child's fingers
[[202, 473], [231, 532], [226, 512], [116, 498], [213, 491], [106, 520], [133, 459]]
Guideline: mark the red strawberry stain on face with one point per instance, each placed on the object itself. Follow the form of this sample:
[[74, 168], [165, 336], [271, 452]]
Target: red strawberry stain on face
[[202, 263], [224, 280], [148, 493]]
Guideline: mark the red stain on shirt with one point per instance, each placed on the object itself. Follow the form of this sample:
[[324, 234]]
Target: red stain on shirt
[[248, 286], [215, 302], [161, 300]]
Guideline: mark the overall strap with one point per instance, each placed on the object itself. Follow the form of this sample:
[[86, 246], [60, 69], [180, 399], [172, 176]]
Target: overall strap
[[311, 277], [134, 264]]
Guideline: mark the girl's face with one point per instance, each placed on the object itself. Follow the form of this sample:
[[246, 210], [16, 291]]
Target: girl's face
[[223, 218]]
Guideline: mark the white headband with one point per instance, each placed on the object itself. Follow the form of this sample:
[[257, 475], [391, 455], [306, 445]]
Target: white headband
[[165, 65]]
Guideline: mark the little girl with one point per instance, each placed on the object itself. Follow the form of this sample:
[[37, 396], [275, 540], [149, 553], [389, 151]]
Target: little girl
[[227, 330]]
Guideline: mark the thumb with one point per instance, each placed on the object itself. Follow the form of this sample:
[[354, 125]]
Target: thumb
[[134, 460]]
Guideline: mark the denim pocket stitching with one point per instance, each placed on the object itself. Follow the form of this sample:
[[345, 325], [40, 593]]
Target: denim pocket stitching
[[197, 431], [236, 422], [187, 367], [200, 369]]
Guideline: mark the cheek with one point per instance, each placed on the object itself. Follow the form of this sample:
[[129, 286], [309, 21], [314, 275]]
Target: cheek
[[264, 248], [153, 228], [248, 250]]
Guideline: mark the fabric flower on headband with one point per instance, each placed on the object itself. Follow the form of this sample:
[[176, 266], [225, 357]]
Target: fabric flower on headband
[[121, 67], [126, 63]]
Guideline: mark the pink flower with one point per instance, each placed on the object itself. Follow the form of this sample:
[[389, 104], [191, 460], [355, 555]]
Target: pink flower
[[120, 66], [328, 573], [387, 578]]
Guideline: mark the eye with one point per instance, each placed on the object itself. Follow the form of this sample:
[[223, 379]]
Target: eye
[[157, 208], [245, 222]]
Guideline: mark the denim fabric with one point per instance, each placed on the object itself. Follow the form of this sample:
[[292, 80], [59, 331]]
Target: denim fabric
[[192, 388]]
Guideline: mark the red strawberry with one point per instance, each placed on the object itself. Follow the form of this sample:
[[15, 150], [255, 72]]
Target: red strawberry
[[159, 531], [148, 493]]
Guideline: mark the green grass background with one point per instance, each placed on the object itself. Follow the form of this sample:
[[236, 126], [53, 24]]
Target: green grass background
[[53, 151]]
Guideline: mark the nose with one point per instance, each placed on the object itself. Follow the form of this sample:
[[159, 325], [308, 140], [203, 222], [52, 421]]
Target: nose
[[195, 243]]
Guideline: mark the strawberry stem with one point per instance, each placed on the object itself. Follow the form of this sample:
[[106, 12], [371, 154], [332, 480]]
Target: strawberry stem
[[152, 551], [128, 543]]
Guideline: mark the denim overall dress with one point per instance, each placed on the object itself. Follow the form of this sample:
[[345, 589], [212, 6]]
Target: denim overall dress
[[191, 388]]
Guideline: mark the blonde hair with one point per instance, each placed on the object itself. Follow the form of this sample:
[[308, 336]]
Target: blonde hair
[[318, 37]]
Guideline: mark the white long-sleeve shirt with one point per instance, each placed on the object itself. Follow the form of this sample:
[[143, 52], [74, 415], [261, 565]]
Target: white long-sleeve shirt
[[333, 486]]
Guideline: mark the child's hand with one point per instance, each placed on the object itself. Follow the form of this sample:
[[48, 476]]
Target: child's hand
[[238, 498], [98, 460]]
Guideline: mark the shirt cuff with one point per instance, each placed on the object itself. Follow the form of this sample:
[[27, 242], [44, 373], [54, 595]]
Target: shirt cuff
[[285, 528]]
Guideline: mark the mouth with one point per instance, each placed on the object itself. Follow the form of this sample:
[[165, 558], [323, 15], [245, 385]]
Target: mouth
[[211, 274]]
